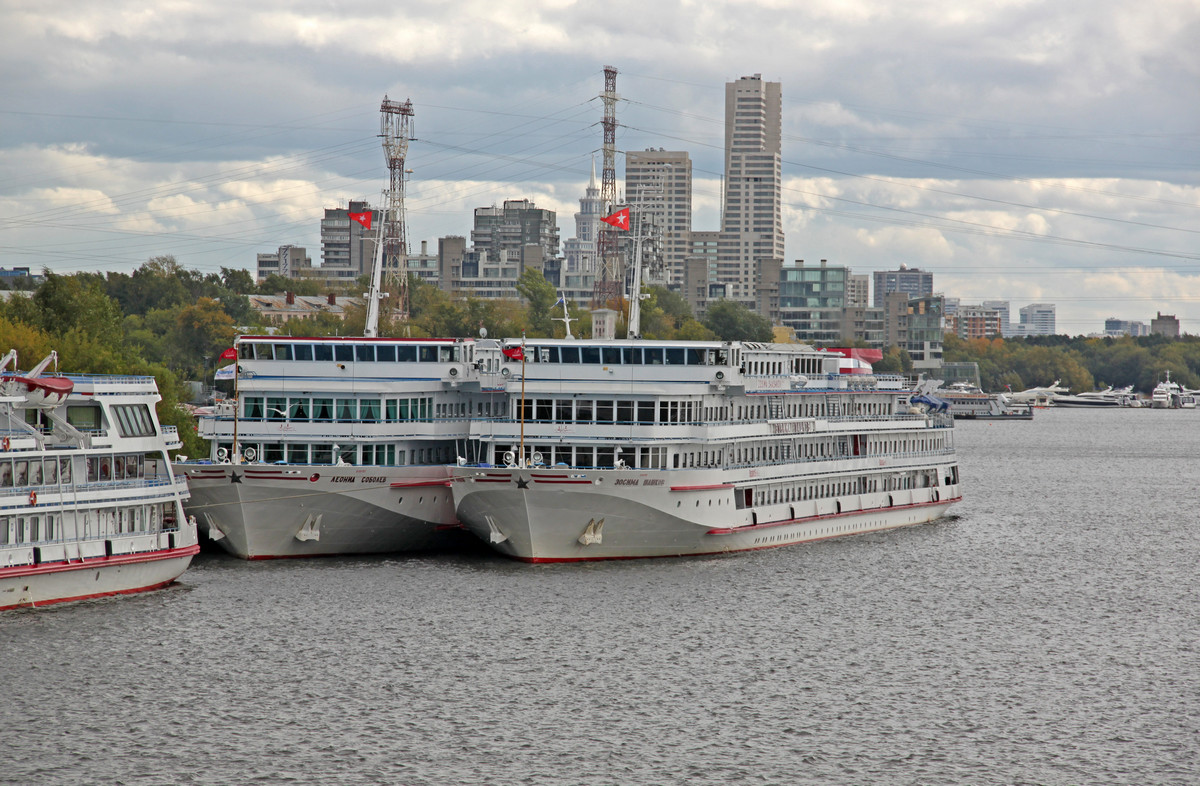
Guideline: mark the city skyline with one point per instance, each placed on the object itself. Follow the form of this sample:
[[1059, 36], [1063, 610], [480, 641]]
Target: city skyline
[[1018, 152]]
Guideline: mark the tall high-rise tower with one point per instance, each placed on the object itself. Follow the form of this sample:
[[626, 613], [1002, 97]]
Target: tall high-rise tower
[[752, 215], [659, 183]]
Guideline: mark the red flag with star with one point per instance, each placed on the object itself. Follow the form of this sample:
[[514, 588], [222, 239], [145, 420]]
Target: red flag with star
[[516, 353], [362, 218], [619, 219], [229, 354]]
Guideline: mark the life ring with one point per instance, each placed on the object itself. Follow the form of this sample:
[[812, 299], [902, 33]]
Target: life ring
[[7, 443], [33, 498]]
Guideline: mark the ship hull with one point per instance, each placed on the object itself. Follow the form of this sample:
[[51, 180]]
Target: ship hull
[[262, 511], [591, 517], [60, 582]]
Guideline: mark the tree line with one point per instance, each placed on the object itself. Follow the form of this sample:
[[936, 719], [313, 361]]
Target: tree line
[[166, 321], [1080, 363]]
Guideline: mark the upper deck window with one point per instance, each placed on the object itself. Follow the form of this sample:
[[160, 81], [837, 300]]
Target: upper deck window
[[344, 353], [302, 351], [323, 352], [428, 354], [385, 353], [364, 353], [406, 354]]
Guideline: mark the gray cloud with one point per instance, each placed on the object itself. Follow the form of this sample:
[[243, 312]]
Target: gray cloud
[[996, 144]]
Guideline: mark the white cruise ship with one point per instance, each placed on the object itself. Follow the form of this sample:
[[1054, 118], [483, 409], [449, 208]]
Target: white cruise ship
[[88, 503], [639, 448], [336, 446]]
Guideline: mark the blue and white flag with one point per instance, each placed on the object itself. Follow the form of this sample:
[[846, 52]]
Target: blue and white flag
[[226, 372], [561, 301]]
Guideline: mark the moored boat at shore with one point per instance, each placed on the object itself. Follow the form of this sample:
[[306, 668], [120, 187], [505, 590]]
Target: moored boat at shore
[[336, 446], [969, 402], [621, 449], [89, 506]]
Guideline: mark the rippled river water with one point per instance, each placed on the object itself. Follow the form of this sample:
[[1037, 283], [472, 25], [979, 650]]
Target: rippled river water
[[1048, 632]]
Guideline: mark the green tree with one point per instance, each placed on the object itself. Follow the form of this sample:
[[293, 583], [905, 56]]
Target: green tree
[[238, 281], [201, 331], [540, 296], [732, 321]]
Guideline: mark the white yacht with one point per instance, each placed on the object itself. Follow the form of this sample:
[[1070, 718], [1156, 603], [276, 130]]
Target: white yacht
[[89, 506], [1171, 395], [638, 448]]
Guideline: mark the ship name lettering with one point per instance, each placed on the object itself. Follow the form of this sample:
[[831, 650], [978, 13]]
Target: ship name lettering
[[343, 480], [626, 481], [374, 479], [657, 482], [792, 427]]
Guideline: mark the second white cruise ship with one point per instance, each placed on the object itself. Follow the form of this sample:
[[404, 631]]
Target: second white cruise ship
[[637, 448]]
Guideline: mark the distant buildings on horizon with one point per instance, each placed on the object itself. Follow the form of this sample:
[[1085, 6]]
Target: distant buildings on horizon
[[741, 261]]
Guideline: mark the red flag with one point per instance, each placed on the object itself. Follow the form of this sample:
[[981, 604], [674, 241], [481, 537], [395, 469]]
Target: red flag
[[619, 219], [362, 218], [229, 354], [514, 352]]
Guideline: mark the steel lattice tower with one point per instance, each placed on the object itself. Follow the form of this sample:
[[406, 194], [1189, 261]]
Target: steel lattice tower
[[611, 275], [396, 126]]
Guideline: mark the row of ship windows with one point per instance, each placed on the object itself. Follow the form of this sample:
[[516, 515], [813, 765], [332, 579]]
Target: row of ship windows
[[382, 455], [586, 457], [627, 356], [583, 410], [17, 530], [19, 472], [350, 353], [863, 484], [349, 410]]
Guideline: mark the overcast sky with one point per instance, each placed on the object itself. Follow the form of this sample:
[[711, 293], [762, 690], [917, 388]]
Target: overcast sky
[[1021, 150]]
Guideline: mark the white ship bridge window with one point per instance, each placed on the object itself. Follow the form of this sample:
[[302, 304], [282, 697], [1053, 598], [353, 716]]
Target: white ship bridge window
[[364, 353], [323, 352], [134, 420], [343, 353], [84, 418], [297, 453], [302, 351]]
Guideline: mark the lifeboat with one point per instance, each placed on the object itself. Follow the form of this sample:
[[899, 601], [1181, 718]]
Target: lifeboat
[[44, 392]]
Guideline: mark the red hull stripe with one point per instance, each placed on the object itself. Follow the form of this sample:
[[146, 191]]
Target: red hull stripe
[[274, 476], [710, 487], [420, 484], [134, 591], [97, 562], [787, 522]]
